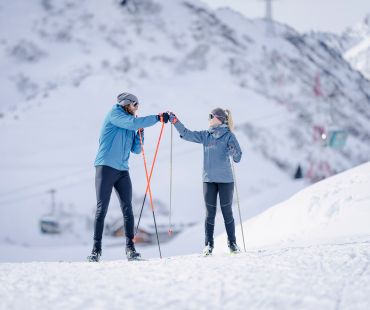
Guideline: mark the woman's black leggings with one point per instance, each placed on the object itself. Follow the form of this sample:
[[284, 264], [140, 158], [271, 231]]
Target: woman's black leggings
[[105, 179], [226, 191]]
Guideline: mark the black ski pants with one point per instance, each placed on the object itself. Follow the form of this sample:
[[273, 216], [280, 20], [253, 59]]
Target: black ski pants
[[225, 191], [106, 179]]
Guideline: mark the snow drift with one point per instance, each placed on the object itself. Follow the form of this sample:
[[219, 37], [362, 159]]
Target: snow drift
[[334, 209]]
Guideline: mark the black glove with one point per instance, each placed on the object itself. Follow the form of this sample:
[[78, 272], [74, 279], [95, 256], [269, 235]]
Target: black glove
[[163, 117]]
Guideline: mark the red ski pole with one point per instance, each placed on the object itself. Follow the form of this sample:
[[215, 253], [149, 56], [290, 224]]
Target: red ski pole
[[148, 179]]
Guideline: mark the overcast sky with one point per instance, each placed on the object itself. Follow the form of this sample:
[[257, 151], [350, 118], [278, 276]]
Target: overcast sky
[[305, 15]]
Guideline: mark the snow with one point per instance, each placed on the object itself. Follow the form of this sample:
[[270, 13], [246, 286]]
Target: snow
[[307, 251], [359, 56], [332, 210], [310, 252], [353, 44], [335, 276], [365, 44], [59, 142]]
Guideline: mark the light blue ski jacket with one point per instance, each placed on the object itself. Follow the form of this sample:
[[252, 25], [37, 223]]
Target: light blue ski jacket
[[118, 137], [218, 144]]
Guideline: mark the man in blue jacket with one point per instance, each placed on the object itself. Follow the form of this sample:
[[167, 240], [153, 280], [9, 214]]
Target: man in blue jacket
[[119, 136]]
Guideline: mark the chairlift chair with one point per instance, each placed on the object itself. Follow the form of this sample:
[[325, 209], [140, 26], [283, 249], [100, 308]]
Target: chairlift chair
[[50, 225]]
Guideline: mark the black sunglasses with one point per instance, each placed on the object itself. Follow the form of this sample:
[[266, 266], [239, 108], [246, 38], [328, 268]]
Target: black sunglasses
[[211, 116], [134, 103]]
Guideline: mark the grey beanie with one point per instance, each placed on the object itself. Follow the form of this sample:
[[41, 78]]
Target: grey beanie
[[220, 114], [126, 98]]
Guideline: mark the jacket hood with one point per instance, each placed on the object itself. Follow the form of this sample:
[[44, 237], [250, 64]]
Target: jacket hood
[[219, 131]]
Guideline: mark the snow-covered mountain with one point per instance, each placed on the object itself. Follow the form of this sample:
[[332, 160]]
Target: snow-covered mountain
[[359, 55], [353, 44], [146, 40], [358, 32], [63, 63]]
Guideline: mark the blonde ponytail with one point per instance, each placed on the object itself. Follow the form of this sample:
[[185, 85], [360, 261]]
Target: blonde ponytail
[[230, 122]]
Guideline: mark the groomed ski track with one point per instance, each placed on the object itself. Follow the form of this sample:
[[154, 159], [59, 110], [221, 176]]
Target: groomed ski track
[[329, 276]]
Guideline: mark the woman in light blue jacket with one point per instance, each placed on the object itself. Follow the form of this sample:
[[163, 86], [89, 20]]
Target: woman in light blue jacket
[[118, 138], [219, 143]]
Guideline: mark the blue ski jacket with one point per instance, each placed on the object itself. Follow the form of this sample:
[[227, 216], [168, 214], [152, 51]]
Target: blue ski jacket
[[218, 144], [118, 137]]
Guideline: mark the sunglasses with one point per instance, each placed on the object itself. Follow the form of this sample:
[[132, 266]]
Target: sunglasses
[[211, 116], [134, 103]]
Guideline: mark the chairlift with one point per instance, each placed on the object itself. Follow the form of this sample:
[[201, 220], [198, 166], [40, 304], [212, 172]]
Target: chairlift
[[49, 223]]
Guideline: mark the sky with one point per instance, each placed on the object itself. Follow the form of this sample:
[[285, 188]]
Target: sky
[[305, 15]]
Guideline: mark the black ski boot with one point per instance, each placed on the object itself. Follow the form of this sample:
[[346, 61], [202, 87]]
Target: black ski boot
[[95, 255], [131, 253], [207, 251], [233, 247]]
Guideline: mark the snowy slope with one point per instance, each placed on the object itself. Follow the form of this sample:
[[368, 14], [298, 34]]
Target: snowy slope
[[353, 44], [359, 57], [310, 252], [334, 210], [359, 54], [64, 62], [318, 277]]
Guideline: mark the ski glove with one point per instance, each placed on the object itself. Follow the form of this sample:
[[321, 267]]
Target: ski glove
[[173, 119], [163, 117]]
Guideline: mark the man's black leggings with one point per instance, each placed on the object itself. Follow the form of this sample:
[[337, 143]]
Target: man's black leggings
[[226, 191], [105, 179]]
